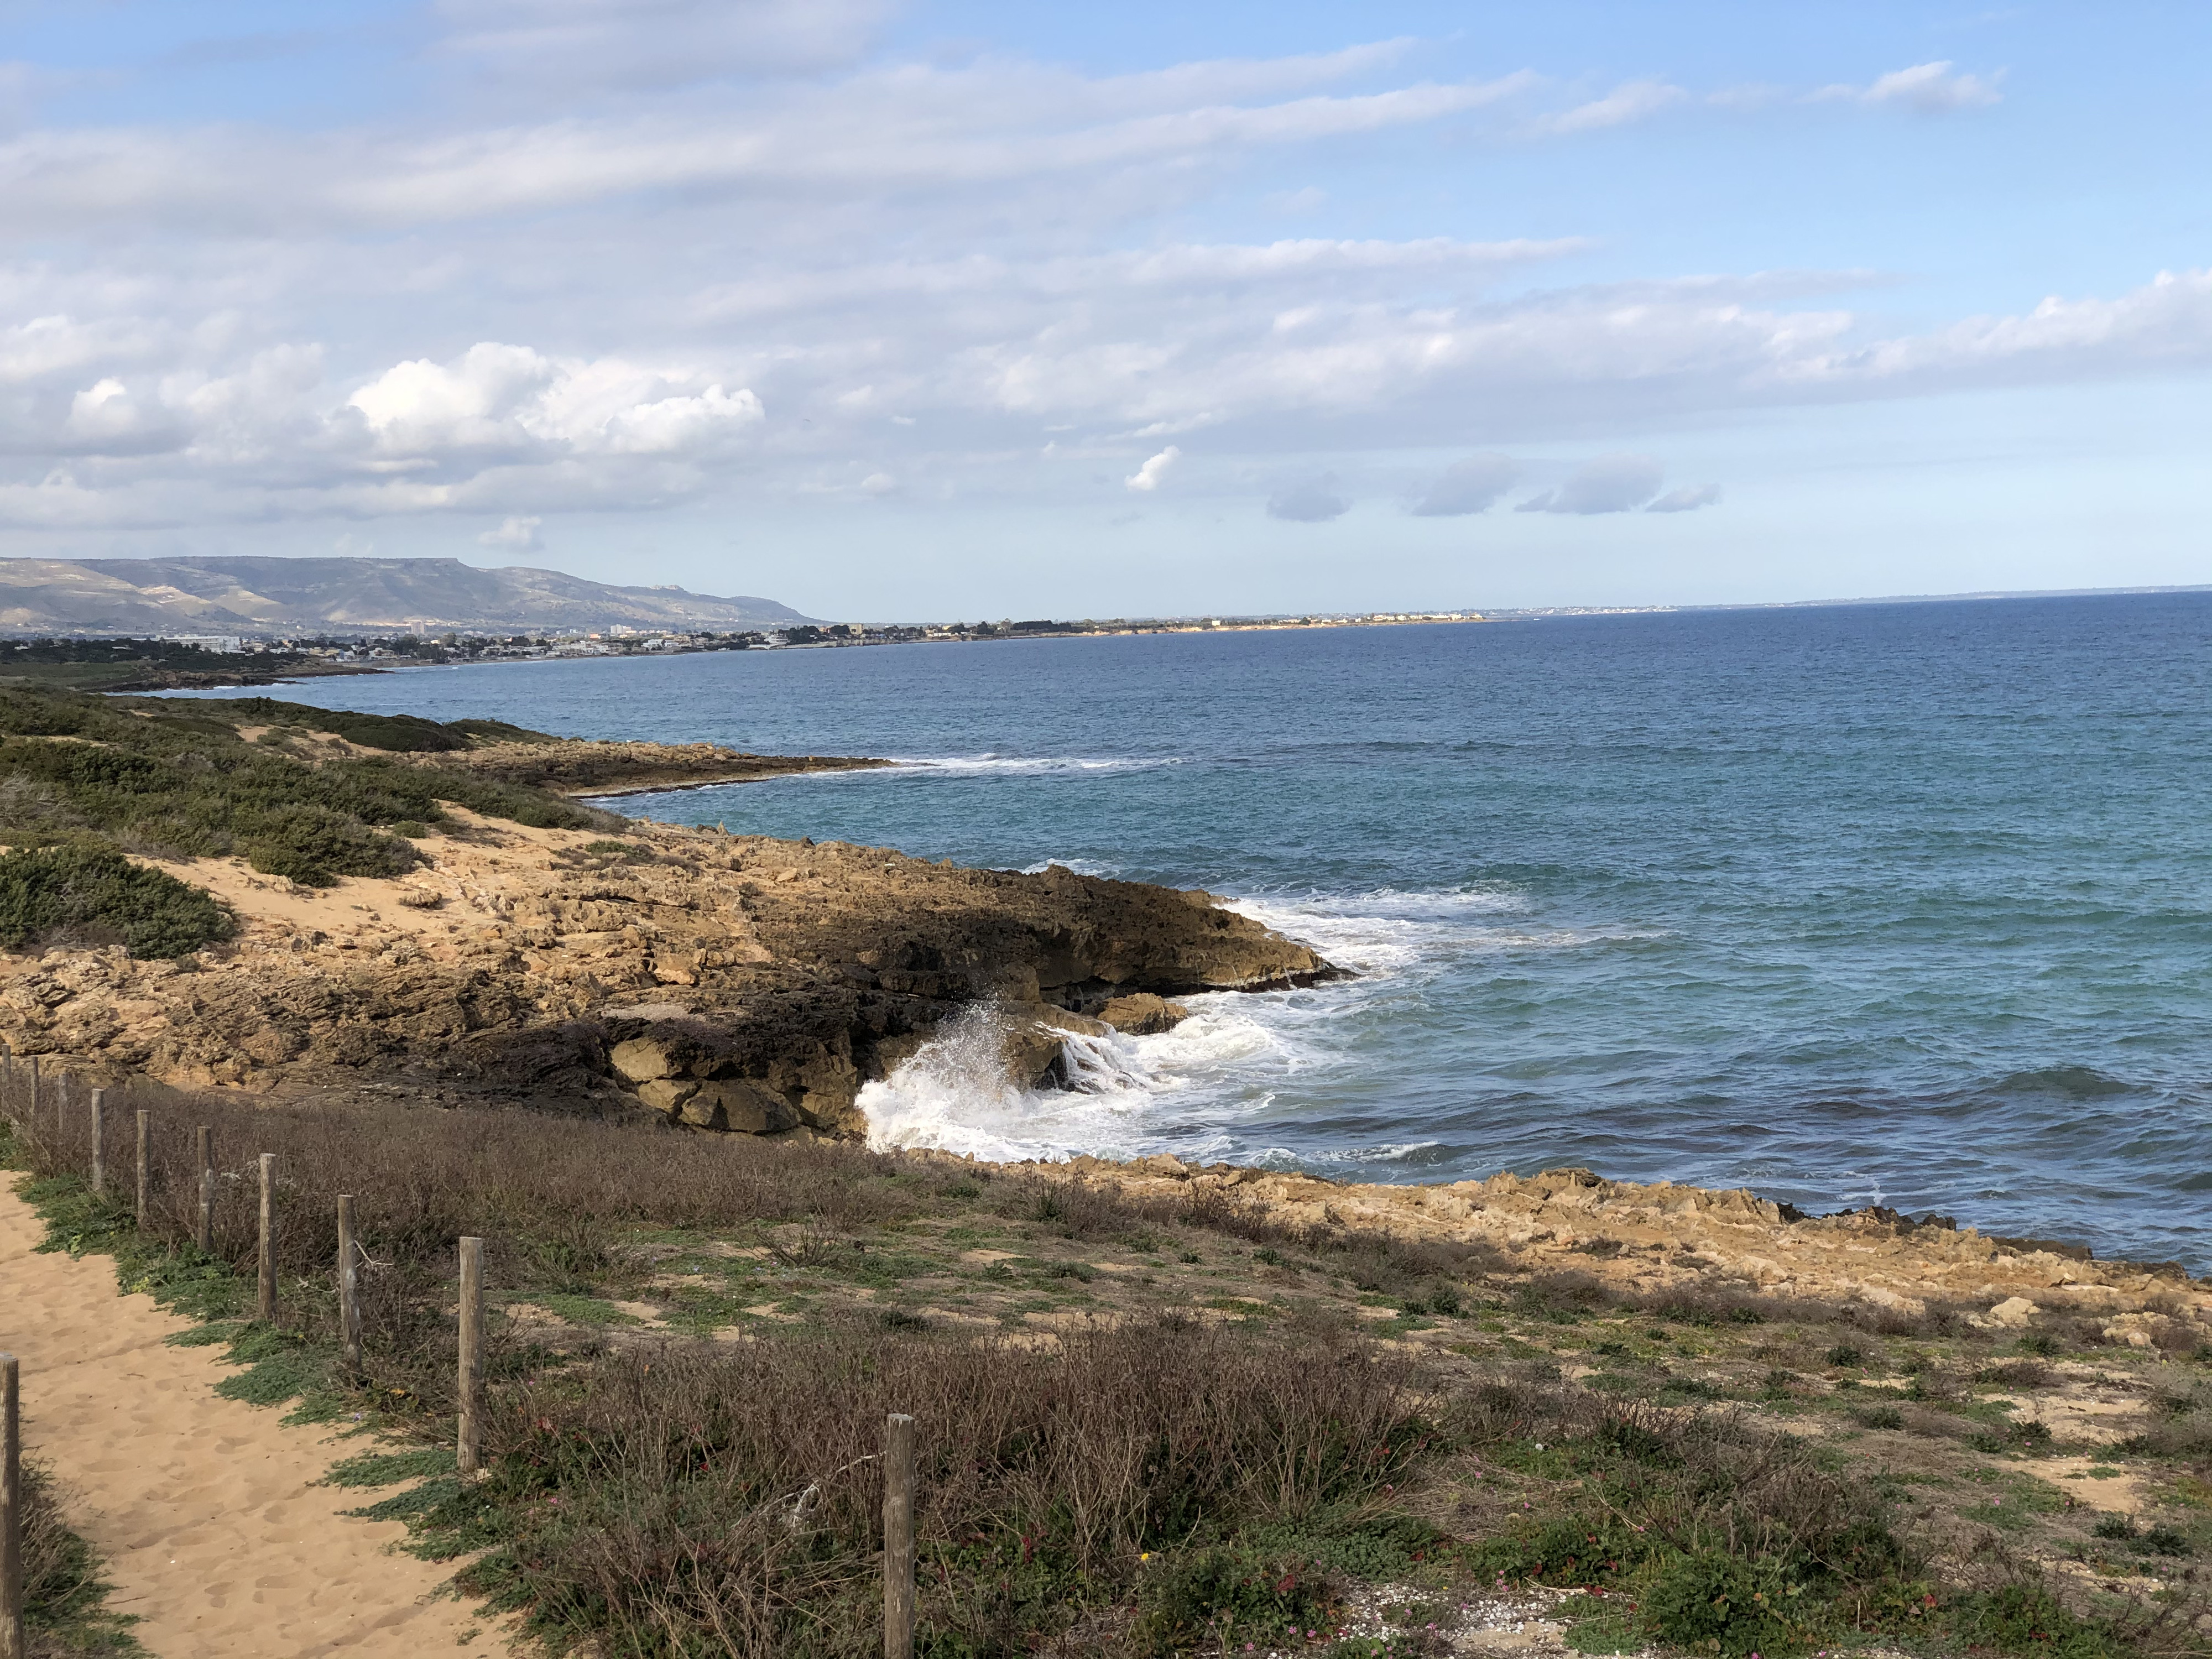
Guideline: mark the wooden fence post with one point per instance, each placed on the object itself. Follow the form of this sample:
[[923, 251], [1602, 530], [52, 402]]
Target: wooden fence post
[[145, 1164], [99, 1143], [31, 1118], [898, 1536], [470, 1448], [349, 1286], [264, 1308], [13, 1643], [203, 1235]]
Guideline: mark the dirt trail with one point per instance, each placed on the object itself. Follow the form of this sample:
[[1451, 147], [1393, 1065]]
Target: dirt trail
[[206, 1511]]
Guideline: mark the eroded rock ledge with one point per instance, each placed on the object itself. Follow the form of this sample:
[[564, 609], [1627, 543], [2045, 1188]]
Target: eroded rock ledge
[[742, 983], [1664, 1237]]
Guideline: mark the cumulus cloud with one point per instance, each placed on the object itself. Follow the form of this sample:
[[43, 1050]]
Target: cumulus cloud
[[515, 400], [1610, 483], [1924, 89], [1148, 475], [1468, 486], [106, 418], [515, 535], [1311, 499], [1687, 499]]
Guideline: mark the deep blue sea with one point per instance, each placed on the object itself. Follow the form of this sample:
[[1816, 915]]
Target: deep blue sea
[[1898, 904]]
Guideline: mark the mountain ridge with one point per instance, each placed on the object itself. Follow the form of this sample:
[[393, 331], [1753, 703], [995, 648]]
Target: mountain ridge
[[264, 595]]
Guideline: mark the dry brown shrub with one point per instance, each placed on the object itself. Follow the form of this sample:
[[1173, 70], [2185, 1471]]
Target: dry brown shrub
[[714, 1491]]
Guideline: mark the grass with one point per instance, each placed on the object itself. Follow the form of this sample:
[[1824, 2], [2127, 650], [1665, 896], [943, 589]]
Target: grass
[[1151, 1429], [65, 1611]]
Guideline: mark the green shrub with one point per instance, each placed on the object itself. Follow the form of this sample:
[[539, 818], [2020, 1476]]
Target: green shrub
[[1710, 1602], [97, 896], [398, 733], [174, 778], [1217, 1596], [314, 846], [2027, 1617]]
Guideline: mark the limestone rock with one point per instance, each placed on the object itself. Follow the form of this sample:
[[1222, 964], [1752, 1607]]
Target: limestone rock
[[1141, 1013], [739, 1105], [2014, 1313], [640, 1059], [1033, 1046], [666, 1094]]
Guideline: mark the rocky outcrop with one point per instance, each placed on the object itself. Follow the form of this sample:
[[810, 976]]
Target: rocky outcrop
[[729, 983], [575, 766], [1142, 1014], [1664, 1237]]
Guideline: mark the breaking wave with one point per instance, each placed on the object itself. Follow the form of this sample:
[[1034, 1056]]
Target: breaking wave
[[1215, 1084]]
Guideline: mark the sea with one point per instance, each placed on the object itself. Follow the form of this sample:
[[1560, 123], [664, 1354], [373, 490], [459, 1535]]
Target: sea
[[1903, 904]]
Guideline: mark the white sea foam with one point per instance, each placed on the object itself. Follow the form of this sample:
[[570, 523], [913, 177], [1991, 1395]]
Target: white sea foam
[[953, 1094], [1212, 1085], [1034, 764], [1080, 867]]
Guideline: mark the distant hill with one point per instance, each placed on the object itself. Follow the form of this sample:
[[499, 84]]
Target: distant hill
[[343, 596]]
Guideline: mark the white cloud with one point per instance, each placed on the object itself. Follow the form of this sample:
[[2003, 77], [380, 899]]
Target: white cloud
[[1148, 475], [1610, 483], [1687, 499], [571, 43], [1924, 89], [726, 293], [1633, 101], [1468, 486], [105, 417], [906, 134], [515, 400], [515, 534], [1310, 499]]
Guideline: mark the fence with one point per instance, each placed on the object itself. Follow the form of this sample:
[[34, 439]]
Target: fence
[[179, 1197]]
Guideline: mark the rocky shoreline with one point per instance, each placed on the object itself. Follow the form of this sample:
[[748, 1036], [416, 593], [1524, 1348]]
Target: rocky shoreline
[[746, 985], [1663, 1238], [729, 983]]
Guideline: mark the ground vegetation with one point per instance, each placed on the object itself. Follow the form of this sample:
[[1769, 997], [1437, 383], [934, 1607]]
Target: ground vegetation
[[1152, 1426]]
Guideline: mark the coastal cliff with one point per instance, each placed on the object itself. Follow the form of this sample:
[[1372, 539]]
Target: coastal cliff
[[269, 896], [732, 982]]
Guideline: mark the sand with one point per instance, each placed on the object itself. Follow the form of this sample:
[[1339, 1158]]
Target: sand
[[206, 1511]]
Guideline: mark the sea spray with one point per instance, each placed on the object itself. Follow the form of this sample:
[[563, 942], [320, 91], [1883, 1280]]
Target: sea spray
[[955, 1094]]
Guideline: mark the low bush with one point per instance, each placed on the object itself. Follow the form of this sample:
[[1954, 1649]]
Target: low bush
[[1712, 1602], [173, 779], [81, 895], [63, 1589]]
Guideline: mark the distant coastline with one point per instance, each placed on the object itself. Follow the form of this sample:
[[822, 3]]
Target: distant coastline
[[172, 663]]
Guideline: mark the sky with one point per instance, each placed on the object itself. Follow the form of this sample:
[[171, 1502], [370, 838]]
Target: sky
[[934, 311]]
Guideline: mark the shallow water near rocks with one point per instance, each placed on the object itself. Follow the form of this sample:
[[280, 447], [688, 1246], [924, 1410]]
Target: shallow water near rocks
[[1906, 903]]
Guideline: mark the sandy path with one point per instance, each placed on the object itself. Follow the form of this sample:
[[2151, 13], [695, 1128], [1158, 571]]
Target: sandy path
[[215, 1535]]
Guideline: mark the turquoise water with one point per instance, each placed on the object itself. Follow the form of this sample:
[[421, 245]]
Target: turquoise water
[[1908, 904]]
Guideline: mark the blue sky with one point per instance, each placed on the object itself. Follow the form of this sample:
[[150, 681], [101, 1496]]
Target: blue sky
[[936, 310]]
